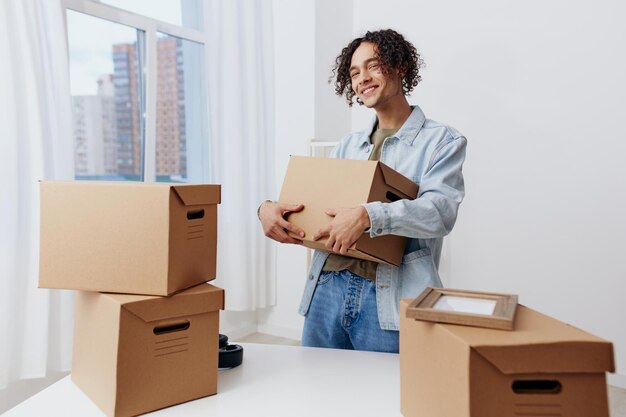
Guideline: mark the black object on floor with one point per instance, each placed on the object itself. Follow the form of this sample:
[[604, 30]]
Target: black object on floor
[[230, 356]]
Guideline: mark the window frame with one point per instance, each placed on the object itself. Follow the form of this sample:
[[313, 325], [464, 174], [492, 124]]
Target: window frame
[[150, 27]]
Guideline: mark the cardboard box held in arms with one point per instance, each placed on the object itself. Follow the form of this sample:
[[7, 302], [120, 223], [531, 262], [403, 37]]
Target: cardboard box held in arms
[[127, 237], [134, 354], [543, 367], [321, 183]]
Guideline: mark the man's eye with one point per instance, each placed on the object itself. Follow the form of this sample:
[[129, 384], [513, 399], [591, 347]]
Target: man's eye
[[374, 66], [354, 74]]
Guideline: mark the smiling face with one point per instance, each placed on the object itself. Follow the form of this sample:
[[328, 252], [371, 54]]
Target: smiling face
[[372, 86]]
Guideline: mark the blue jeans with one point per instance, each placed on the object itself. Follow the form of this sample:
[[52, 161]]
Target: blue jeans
[[343, 315]]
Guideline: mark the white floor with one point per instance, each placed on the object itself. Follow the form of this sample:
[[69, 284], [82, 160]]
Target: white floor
[[617, 401], [268, 339]]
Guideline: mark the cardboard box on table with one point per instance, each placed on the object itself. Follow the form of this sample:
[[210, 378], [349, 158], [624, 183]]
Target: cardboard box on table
[[321, 183], [127, 237], [543, 367], [134, 354]]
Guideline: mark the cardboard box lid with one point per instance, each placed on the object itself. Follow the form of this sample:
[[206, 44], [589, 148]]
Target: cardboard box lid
[[195, 300], [353, 177], [190, 194], [197, 194], [307, 180], [538, 344]]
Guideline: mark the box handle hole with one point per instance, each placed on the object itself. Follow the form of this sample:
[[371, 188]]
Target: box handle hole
[[392, 197], [195, 214], [536, 386], [169, 328]]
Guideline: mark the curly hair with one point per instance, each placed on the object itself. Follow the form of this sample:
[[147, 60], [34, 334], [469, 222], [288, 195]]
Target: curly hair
[[393, 52]]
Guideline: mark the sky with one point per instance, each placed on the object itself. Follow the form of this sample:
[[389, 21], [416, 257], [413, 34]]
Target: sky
[[90, 39]]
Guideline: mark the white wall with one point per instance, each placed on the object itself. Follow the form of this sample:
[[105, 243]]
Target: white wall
[[333, 31], [538, 89], [294, 46], [308, 35]]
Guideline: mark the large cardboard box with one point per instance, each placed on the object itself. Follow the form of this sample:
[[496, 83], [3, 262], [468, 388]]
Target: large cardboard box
[[127, 237], [134, 354], [321, 183], [543, 367]]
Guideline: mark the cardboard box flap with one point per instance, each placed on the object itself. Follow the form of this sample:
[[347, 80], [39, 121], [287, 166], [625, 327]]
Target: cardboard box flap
[[399, 182], [200, 194], [341, 182], [196, 300], [558, 357], [538, 343]]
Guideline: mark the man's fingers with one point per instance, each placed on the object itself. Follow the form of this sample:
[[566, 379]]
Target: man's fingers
[[291, 208], [337, 246], [280, 235], [330, 244], [292, 228], [322, 233], [344, 249], [331, 212]]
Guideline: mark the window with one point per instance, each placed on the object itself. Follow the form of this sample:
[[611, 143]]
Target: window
[[138, 92], [185, 13], [180, 82]]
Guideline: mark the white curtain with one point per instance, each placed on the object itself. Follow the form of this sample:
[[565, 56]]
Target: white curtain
[[241, 105], [36, 143]]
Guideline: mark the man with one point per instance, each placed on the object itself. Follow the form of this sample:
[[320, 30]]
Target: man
[[354, 304]]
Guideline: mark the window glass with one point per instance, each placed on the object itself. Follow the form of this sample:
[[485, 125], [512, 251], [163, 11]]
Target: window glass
[[180, 106], [187, 13], [106, 89]]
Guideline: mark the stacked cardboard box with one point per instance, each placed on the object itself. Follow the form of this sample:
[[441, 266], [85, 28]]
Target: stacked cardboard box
[[146, 321]]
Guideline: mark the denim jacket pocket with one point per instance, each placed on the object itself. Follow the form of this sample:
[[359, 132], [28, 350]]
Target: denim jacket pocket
[[325, 276], [417, 272], [412, 256]]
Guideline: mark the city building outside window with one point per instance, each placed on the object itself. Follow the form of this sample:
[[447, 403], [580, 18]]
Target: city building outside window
[[138, 87]]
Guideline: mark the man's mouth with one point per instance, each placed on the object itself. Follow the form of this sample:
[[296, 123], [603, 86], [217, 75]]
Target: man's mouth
[[368, 90]]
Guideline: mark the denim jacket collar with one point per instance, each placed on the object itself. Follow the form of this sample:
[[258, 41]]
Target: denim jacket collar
[[407, 133]]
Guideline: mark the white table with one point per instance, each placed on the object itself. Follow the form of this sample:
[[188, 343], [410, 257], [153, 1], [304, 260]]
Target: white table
[[272, 381]]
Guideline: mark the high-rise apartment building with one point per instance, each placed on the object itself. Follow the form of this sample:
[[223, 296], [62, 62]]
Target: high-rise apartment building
[[108, 127], [170, 109], [127, 111], [170, 122], [94, 126]]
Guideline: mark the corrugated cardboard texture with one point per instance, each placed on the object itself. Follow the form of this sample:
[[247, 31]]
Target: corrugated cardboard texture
[[539, 343], [94, 357], [582, 394], [449, 364], [127, 361], [193, 241], [156, 371], [186, 303], [469, 372], [136, 238], [321, 183]]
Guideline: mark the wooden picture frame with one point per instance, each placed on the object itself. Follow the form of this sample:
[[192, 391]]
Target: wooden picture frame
[[469, 308]]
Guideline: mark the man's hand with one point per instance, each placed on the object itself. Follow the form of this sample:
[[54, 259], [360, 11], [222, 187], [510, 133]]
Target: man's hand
[[272, 216], [346, 227]]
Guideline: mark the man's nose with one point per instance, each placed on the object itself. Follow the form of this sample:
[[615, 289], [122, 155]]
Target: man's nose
[[365, 77]]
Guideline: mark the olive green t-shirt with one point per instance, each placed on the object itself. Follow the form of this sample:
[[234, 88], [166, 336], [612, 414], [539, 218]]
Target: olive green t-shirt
[[363, 268]]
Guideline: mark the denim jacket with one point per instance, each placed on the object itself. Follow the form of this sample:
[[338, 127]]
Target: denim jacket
[[431, 155]]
